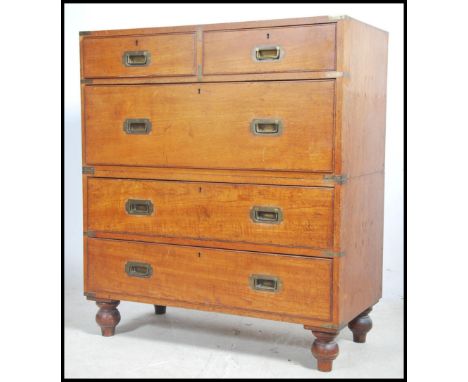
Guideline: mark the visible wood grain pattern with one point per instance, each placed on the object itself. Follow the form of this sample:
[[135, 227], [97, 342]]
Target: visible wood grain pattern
[[159, 309], [222, 244], [213, 211], [306, 48], [213, 277], [107, 316], [362, 126], [220, 78], [363, 104], [208, 125], [287, 178], [324, 349], [362, 241], [360, 326], [272, 315], [171, 54], [204, 171], [217, 26]]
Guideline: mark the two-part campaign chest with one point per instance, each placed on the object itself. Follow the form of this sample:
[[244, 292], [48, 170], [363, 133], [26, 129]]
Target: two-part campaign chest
[[237, 168]]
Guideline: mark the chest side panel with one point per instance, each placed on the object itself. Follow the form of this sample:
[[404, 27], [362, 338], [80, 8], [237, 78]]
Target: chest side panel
[[362, 124]]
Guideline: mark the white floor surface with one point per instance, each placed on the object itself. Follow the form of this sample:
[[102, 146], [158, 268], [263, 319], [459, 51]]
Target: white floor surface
[[193, 344]]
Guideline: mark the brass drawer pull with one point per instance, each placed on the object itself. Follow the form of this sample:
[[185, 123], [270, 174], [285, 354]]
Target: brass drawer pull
[[135, 269], [265, 283], [139, 207], [141, 58], [267, 53], [270, 215], [266, 126], [137, 126]]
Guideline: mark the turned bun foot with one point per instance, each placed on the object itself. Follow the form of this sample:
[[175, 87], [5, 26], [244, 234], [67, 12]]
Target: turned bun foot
[[107, 316], [325, 349], [159, 309], [360, 326]]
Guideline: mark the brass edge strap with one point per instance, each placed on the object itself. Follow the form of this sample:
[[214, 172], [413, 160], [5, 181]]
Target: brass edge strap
[[87, 170], [339, 179], [334, 254], [329, 326], [89, 233], [90, 295], [200, 40], [339, 17], [199, 72], [85, 33], [86, 81]]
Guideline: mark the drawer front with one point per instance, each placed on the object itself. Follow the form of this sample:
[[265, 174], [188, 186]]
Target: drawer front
[[279, 215], [267, 50], [148, 56], [263, 125], [287, 285]]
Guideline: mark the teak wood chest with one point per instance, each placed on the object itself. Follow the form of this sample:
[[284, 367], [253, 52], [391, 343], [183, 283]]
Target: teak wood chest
[[237, 168]]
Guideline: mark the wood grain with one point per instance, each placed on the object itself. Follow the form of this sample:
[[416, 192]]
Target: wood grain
[[213, 277], [279, 76], [360, 270], [208, 125], [217, 26], [203, 169], [222, 244], [171, 54], [287, 178], [363, 104], [213, 211], [306, 48], [361, 120]]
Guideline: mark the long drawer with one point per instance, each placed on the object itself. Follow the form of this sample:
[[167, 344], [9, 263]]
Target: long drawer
[[264, 125], [288, 285], [277, 215], [139, 56], [263, 50]]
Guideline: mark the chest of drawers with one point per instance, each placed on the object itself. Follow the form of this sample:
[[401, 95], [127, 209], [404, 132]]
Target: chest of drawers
[[237, 168]]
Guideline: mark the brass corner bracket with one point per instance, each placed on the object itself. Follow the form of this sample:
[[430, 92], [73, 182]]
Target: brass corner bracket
[[87, 170], [339, 179], [334, 254]]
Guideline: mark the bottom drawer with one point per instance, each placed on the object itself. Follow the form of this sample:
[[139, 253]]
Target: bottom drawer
[[284, 285]]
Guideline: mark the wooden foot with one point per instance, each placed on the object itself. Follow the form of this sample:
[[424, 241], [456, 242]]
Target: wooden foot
[[360, 326], [325, 349], [159, 309], [107, 316]]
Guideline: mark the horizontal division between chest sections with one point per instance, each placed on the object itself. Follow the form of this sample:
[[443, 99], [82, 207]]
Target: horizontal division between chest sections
[[236, 168]]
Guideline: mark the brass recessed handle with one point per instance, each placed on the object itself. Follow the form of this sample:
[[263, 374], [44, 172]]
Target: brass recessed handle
[[270, 127], [139, 126], [140, 58], [264, 283], [139, 207], [136, 269], [269, 215], [267, 53]]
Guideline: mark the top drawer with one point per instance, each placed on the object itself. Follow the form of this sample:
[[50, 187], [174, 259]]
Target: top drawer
[[267, 50], [139, 56]]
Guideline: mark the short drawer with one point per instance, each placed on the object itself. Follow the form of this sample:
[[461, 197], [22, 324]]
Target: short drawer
[[267, 125], [278, 215], [288, 285], [139, 56], [267, 50]]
